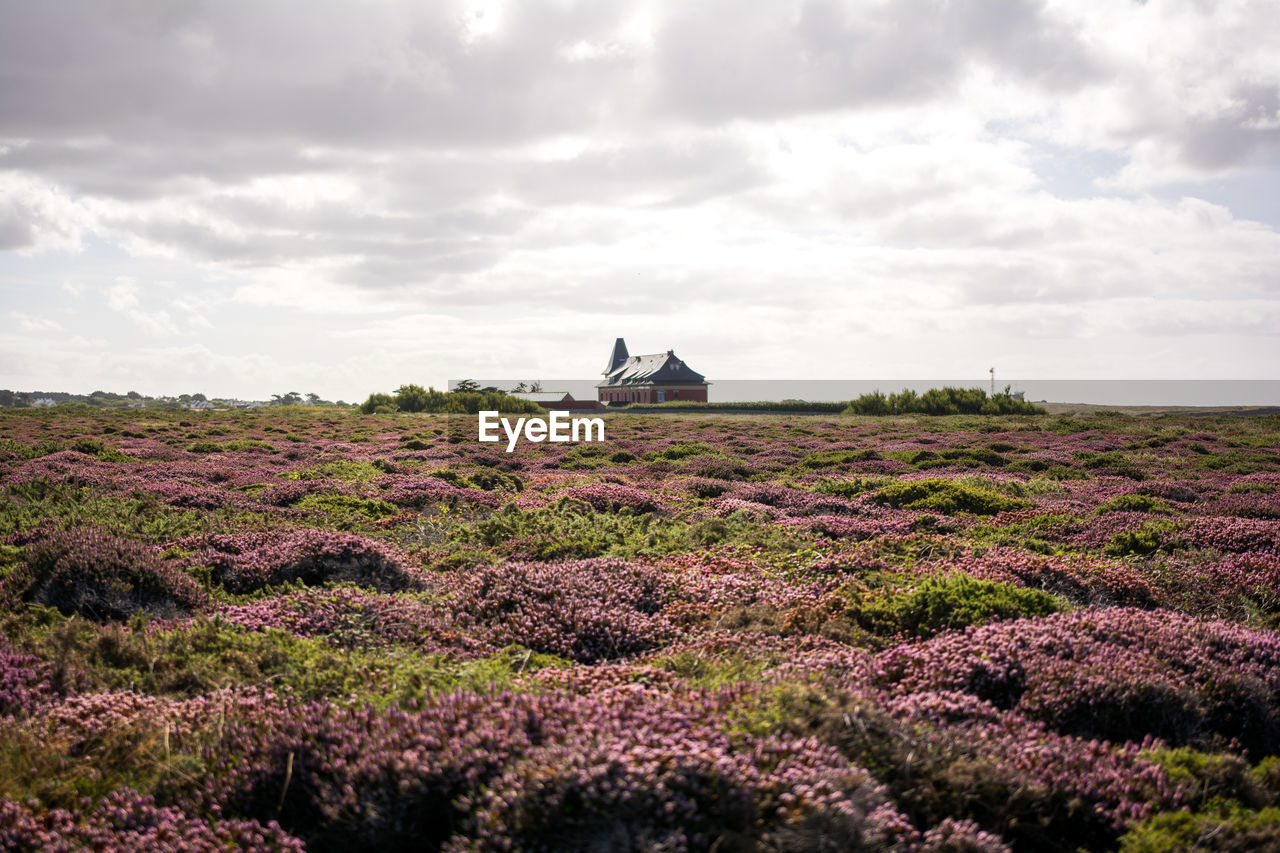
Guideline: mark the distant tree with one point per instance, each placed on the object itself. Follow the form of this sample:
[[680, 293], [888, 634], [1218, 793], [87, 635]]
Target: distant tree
[[519, 389], [874, 403], [134, 395], [465, 386], [378, 404], [199, 398], [313, 399], [535, 386], [412, 398], [184, 398], [491, 389]]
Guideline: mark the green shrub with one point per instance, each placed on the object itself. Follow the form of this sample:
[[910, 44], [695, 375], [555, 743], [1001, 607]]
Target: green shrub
[[947, 497], [570, 529], [874, 403], [941, 401], [378, 404], [941, 603], [95, 447], [1237, 832], [490, 480], [1208, 780], [585, 457], [832, 458], [204, 447], [852, 486], [244, 445], [681, 450], [414, 398], [1151, 537], [347, 512], [1135, 503]]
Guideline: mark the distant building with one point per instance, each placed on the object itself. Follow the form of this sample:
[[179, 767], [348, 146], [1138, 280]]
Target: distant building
[[556, 400], [658, 378]]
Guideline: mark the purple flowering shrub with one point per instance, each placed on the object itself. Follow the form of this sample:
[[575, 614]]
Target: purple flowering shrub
[[386, 779], [24, 682], [626, 766], [1119, 674], [742, 679], [102, 576], [640, 771], [244, 562], [126, 820], [585, 610], [945, 754], [408, 491], [1087, 580], [1253, 576], [610, 497], [357, 618]]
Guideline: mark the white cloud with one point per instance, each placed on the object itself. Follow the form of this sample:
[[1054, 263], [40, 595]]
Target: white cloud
[[123, 297], [27, 323], [35, 216]]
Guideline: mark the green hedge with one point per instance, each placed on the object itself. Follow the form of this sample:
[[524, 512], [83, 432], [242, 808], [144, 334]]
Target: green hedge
[[941, 401], [415, 398], [762, 406]]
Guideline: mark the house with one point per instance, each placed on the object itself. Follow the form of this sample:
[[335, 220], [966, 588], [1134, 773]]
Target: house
[[556, 400], [658, 378]]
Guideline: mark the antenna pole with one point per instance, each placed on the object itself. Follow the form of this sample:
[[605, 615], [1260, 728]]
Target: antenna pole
[[993, 382]]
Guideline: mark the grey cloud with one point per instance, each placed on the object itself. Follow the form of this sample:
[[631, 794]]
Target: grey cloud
[[386, 72], [1249, 131], [137, 171], [16, 231], [828, 54]]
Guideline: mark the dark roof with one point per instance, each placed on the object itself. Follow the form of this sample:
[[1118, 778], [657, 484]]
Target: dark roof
[[662, 368], [617, 357], [543, 396]]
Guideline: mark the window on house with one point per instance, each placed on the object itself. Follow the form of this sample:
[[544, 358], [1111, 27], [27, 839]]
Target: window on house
[[662, 396]]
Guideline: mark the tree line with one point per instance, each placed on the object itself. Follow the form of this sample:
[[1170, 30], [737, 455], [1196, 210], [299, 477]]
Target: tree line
[[466, 399], [941, 401]]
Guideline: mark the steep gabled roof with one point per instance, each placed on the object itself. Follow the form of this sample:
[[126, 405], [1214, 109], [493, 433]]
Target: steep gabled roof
[[658, 368], [617, 357]]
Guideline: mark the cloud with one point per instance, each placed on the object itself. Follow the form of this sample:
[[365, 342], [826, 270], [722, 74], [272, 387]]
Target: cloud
[[802, 171], [27, 323], [123, 297], [36, 217]]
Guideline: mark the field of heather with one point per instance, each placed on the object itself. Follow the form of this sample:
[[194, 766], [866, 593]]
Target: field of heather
[[314, 629]]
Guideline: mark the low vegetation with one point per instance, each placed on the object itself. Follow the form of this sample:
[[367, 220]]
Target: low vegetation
[[297, 628]]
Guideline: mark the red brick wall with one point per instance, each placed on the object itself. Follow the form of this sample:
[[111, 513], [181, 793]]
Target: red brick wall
[[695, 394]]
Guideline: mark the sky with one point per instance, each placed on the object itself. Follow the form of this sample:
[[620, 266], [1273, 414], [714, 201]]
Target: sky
[[247, 198]]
